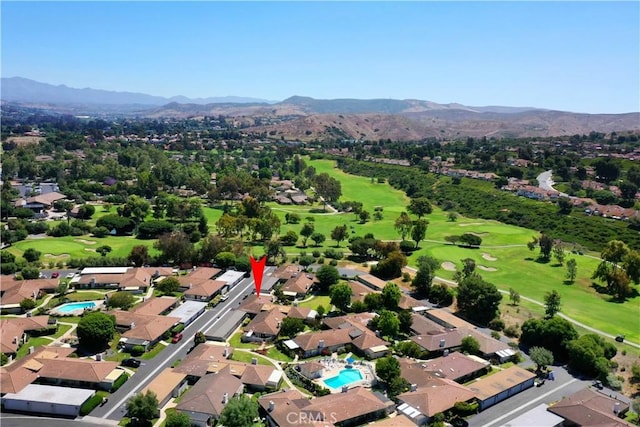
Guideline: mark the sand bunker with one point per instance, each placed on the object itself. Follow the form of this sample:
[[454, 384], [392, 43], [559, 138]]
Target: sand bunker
[[57, 256], [489, 257], [449, 266], [485, 268], [469, 224], [86, 242]]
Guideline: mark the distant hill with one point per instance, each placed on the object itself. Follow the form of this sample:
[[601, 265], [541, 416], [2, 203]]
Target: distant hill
[[305, 118], [18, 89]]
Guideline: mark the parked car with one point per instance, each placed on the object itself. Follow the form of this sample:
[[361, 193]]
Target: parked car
[[132, 363], [598, 385], [176, 338], [224, 297], [55, 275], [70, 275], [620, 338]]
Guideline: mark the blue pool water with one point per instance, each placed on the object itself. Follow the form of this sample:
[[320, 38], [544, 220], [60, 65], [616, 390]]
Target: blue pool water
[[345, 377], [73, 306]]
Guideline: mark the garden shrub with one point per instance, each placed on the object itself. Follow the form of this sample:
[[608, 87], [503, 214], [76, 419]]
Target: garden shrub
[[90, 404], [118, 383]]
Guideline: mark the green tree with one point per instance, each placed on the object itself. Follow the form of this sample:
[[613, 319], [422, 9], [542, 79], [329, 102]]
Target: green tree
[[541, 357], [559, 253], [387, 368], [391, 296], [631, 266], [30, 272], [31, 255], [320, 310], [551, 303], [327, 275], [318, 238], [514, 296], [406, 320], [122, 300], [452, 217], [168, 285], [420, 206], [290, 327], [143, 408], [4, 359], [552, 334], [339, 233], [397, 386], [177, 419], [95, 330], [341, 296], [139, 255], [423, 279], [478, 299], [565, 205], [307, 230], [175, 247], [403, 225], [329, 189], [419, 231], [199, 338], [546, 245], [470, 345], [388, 323], [572, 270], [364, 216], [103, 250], [441, 295], [27, 304], [240, 411], [85, 211], [373, 301]]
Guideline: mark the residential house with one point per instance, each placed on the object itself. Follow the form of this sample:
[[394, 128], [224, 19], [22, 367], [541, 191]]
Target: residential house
[[359, 290], [455, 366], [197, 276], [41, 202], [136, 280], [13, 330], [16, 376], [166, 385], [145, 330], [196, 363], [407, 302], [447, 319], [298, 285], [81, 373], [371, 281], [502, 385], [421, 325], [321, 342], [437, 343], [590, 408], [436, 396], [303, 313], [12, 292], [254, 303], [352, 407], [205, 291], [155, 306], [311, 370], [264, 327], [204, 402], [364, 340]]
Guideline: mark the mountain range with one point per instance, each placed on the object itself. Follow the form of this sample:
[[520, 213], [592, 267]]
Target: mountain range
[[306, 118]]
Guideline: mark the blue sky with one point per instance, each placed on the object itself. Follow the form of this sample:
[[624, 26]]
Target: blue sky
[[575, 56]]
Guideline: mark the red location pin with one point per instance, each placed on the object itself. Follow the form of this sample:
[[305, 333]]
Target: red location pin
[[257, 267]]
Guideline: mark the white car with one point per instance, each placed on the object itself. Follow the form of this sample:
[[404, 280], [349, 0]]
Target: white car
[[224, 297], [71, 275]]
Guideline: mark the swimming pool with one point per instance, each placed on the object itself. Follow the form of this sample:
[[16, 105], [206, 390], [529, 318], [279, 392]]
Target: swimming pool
[[73, 306], [345, 377]]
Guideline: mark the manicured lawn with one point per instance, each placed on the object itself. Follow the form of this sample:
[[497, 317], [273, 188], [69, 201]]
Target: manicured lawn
[[317, 300], [69, 319], [235, 342], [85, 296], [243, 356], [35, 342], [62, 329], [61, 248], [153, 352], [276, 354]]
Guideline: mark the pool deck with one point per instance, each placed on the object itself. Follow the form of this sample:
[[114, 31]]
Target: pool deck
[[333, 366], [77, 312]]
